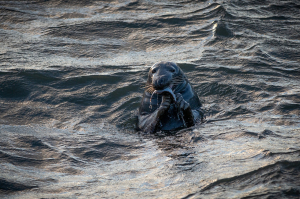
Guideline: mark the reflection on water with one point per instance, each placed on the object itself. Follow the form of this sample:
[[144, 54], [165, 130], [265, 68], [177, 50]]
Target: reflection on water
[[71, 81]]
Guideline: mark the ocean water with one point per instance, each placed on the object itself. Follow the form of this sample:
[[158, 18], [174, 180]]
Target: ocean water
[[71, 81]]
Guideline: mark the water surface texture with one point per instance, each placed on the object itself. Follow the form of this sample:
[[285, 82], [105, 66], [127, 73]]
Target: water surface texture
[[71, 77]]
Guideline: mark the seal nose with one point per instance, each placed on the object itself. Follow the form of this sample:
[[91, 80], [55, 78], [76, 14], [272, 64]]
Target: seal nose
[[161, 82]]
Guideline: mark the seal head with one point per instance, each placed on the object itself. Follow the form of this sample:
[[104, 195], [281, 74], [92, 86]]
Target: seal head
[[161, 74]]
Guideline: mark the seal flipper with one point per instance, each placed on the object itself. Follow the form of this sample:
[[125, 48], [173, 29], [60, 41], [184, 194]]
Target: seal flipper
[[188, 117], [185, 111], [149, 123]]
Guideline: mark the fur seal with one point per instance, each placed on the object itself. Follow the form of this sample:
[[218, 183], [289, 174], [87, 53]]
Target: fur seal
[[169, 101]]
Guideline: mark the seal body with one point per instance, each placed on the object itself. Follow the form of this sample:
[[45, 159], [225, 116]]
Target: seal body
[[169, 101]]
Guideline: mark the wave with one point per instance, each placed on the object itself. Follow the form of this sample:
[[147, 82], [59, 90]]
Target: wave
[[283, 173]]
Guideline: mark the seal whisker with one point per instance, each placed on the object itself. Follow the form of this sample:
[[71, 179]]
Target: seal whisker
[[178, 80], [146, 86], [150, 90]]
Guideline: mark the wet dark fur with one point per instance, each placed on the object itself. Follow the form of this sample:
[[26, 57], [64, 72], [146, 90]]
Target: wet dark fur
[[159, 111]]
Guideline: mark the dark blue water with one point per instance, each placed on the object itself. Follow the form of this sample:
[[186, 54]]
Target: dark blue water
[[71, 81]]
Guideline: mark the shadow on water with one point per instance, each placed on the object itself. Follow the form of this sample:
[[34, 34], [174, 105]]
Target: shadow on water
[[284, 174], [9, 187]]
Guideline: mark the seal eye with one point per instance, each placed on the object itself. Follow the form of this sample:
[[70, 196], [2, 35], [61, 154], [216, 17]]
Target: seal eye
[[154, 71], [172, 70]]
